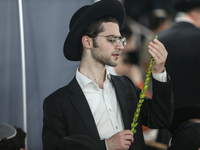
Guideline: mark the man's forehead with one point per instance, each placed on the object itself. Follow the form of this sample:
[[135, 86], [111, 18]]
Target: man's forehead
[[111, 27]]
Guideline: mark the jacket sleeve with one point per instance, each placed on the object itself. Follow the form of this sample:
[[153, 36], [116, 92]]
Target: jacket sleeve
[[54, 128], [158, 112]]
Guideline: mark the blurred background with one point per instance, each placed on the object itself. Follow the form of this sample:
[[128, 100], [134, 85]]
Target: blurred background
[[24, 85]]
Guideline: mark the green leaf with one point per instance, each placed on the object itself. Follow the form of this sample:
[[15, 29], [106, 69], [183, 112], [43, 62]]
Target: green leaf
[[134, 131], [135, 125], [142, 95], [138, 110]]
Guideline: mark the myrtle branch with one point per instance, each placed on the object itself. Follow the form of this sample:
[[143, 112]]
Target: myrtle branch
[[142, 95]]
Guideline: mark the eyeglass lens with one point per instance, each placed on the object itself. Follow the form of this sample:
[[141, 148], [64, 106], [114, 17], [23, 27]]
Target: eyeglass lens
[[121, 39]]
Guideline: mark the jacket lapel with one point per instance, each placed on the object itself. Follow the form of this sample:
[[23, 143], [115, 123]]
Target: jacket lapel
[[121, 97], [81, 105]]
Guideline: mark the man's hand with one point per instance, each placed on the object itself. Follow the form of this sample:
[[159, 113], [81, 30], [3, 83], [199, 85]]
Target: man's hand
[[159, 53], [120, 141]]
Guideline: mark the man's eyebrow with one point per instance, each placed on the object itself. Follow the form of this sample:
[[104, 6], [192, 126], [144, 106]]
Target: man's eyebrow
[[114, 35]]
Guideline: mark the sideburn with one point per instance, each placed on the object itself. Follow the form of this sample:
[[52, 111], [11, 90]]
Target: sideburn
[[94, 42]]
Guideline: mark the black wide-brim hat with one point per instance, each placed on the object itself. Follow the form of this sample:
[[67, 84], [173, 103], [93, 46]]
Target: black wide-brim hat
[[83, 18], [78, 142], [184, 5], [182, 114]]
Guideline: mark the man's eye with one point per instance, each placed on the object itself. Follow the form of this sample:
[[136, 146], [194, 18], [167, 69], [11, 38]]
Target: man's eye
[[111, 40]]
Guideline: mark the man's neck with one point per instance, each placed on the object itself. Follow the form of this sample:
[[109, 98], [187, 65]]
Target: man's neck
[[95, 72]]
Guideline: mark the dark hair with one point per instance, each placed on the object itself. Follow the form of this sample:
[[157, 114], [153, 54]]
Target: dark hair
[[157, 17], [14, 143], [96, 27]]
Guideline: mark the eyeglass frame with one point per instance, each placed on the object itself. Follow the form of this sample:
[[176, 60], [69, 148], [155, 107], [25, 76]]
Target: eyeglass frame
[[114, 38]]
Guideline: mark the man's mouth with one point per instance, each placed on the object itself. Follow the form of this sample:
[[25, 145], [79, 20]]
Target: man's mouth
[[116, 55]]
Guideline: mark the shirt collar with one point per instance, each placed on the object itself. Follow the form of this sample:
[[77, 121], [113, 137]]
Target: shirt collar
[[181, 19], [84, 81]]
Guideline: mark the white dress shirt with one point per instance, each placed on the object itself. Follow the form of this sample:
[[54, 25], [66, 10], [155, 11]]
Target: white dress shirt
[[104, 105]]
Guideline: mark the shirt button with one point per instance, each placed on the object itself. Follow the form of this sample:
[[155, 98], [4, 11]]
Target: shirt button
[[95, 86], [116, 127], [110, 109]]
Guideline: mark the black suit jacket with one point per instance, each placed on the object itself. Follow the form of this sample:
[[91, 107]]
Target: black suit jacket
[[66, 112], [182, 41]]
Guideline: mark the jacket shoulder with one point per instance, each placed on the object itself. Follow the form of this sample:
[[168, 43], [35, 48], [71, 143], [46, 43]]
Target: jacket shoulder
[[63, 92]]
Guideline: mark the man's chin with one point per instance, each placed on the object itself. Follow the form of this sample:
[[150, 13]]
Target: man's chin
[[112, 64]]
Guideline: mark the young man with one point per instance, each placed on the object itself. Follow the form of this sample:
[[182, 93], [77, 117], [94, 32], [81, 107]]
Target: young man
[[11, 138], [95, 103]]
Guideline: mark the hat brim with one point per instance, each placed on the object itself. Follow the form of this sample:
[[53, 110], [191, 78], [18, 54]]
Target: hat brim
[[182, 114], [88, 15]]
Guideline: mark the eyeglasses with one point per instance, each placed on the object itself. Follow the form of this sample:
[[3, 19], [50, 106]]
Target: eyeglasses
[[115, 39]]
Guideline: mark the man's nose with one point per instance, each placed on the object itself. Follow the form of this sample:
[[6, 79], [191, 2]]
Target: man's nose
[[119, 45]]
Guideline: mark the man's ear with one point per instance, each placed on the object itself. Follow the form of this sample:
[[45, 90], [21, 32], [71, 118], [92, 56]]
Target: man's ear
[[87, 42]]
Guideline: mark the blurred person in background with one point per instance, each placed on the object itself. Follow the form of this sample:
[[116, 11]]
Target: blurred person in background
[[139, 10], [159, 20], [11, 138], [182, 42]]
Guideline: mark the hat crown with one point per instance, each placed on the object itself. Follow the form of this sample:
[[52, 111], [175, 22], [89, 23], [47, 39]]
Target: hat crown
[[77, 14], [183, 5]]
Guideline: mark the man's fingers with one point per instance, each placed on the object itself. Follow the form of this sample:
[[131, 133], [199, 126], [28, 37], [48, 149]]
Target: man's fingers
[[127, 132], [158, 48], [159, 43], [122, 140], [157, 51], [129, 138], [127, 143]]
